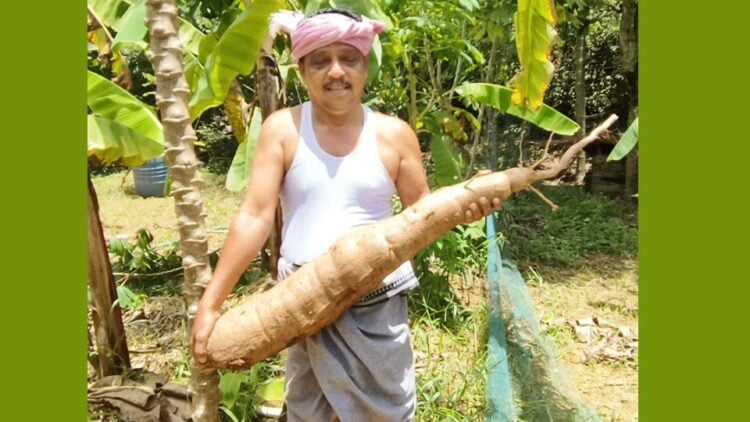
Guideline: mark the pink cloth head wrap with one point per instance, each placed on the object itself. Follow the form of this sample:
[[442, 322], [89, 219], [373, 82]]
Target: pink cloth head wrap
[[317, 31]]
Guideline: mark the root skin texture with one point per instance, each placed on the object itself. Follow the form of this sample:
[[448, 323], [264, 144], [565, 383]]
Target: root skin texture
[[320, 291]]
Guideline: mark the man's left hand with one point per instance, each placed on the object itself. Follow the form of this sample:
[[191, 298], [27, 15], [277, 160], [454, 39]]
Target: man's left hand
[[481, 208]]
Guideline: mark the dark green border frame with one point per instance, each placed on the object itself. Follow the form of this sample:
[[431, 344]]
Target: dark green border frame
[[43, 175], [693, 153], [693, 224]]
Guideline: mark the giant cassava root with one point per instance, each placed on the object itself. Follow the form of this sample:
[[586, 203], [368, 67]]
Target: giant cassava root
[[322, 290]]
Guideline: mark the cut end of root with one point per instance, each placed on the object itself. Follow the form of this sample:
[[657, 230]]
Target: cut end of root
[[543, 198]]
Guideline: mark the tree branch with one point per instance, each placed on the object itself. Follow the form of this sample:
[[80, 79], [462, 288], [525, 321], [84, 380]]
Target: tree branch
[[575, 149]]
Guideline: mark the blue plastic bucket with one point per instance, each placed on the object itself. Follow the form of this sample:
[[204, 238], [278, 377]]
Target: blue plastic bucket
[[151, 178]]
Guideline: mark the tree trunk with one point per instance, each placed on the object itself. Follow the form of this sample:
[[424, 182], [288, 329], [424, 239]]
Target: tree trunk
[[580, 94], [172, 94], [629, 48], [266, 75], [111, 343]]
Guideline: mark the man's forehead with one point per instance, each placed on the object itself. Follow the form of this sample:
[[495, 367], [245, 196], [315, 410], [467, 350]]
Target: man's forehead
[[336, 47]]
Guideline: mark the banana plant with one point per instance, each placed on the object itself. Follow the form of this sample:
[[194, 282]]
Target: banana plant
[[626, 143], [121, 128], [369, 8], [239, 172], [234, 53], [212, 61], [447, 165], [501, 98], [535, 32], [101, 40]]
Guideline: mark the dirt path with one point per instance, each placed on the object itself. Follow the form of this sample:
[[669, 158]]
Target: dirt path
[[600, 299]]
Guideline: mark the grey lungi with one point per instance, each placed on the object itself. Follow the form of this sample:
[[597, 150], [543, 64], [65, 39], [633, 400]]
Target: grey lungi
[[359, 369]]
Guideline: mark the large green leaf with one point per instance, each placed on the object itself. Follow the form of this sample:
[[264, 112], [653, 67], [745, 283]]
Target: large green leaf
[[193, 70], [229, 385], [375, 60], [272, 391], [313, 6], [239, 172], [626, 143], [446, 123], [114, 103], [110, 12], [111, 142], [235, 53], [368, 8], [105, 45], [469, 5], [447, 168], [190, 37], [535, 32], [206, 46], [499, 97], [132, 28]]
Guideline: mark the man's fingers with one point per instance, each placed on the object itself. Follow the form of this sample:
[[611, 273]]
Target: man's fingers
[[484, 203], [199, 351], [474, 208], [203, 325], [200, 341], [482, 208], [474, 212]]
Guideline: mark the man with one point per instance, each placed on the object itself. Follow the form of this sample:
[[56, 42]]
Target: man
[[336, 165]]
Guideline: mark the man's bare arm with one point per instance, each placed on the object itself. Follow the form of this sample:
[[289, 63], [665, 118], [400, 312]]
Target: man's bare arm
[[249, 229], [411, 179], [411, 182]]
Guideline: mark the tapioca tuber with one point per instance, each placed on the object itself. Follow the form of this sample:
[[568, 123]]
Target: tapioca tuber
[[322, 290]]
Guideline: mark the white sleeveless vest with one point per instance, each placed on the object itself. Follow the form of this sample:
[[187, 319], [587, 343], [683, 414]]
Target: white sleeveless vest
[[324, 196]]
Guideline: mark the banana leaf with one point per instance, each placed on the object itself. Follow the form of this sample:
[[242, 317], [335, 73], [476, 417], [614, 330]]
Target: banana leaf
[[626, 143], [112, 142], [499, 97], [234, 54], [238, 175], [108, 100], [535, 32]]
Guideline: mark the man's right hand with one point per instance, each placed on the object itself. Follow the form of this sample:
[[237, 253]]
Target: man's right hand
[[202, 327]]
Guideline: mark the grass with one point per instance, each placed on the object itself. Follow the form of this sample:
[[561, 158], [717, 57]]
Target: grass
[[123, 212], [594, 275], [451, 370], [583, 224]]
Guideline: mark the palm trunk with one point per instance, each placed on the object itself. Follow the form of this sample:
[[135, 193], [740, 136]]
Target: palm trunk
[[111, 343], [172, 94]]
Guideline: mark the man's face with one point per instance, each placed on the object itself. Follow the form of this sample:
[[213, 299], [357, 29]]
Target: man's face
[[335, 76]]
